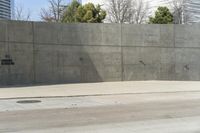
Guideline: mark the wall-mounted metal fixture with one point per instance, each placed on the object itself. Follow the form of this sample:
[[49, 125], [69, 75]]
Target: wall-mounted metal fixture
[[186, 67], [142, 62], [81, 59]]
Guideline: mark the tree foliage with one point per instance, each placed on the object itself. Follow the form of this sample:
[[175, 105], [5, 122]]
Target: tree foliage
[[88, 13], [162, 16], [54, 12], [127, 11], [69, 14]]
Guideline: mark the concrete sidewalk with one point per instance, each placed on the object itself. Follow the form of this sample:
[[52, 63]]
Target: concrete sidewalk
[[108, 88], [121, 107]]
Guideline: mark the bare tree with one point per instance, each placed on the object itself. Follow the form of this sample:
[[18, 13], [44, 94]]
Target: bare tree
[[180, 11], [54, 12], [21, 14], [141, 12], [119, 11], [127, 11]]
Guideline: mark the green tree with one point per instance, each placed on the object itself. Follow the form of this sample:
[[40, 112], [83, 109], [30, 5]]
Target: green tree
[[69, 15], [87, 13], [162, 16]]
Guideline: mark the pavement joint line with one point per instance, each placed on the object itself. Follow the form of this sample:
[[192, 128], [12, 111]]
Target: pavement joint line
[[97, 95]]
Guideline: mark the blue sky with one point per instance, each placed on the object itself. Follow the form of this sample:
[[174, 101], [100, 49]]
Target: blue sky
[[34, 6]]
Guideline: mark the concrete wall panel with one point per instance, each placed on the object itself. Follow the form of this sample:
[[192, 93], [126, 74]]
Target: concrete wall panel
[[3, 31], [111, 34], [187, 35], [142, 63], [105, 62], [61, 64], [4, 70], [187, 64], [141, 55], [19, 32], [81, 34], [167, 64], [167, 36], [51, 53], [46, 33], [22, 72], [140, 35], [53, 63]]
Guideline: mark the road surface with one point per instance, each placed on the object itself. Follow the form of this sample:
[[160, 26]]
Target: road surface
[[146, 112]]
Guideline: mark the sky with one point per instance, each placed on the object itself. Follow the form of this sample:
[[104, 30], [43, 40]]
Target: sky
[[34, 6]]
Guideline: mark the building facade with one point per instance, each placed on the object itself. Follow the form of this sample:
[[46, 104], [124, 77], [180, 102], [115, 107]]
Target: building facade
[[193, 9], [188, 10], [6, 9]]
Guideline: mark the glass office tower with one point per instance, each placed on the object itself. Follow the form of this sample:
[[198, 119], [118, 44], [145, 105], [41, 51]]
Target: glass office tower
[[193, 7], [190, 8], [6, 9]]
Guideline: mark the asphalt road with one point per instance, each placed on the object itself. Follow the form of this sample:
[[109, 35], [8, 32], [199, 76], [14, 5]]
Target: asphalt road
[[178, 113]]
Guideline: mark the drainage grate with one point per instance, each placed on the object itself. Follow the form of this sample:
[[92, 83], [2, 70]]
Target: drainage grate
[[28, 101]]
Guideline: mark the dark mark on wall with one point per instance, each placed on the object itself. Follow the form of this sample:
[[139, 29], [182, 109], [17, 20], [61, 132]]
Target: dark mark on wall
[[142, 63], [81, 59], [186, 67], [7, 61]]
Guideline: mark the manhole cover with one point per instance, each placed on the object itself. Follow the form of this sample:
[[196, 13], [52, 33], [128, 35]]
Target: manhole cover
[[29, 101]]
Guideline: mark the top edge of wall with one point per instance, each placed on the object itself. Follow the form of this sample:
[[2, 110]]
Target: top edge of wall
[[22, 21]]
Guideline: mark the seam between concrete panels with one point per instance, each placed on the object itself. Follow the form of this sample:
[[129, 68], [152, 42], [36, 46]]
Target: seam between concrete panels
[[34, 67], [7, 45], [163, 47], [97, 45], [174, 36], [122, 57], [160, 63], [17, 42], [175, 55], [76, 44]]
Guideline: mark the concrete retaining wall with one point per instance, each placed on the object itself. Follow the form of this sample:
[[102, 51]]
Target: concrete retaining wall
[[43, 53]]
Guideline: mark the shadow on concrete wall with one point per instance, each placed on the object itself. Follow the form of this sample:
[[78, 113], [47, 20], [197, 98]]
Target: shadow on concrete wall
[[44, 54], [61, 56]]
